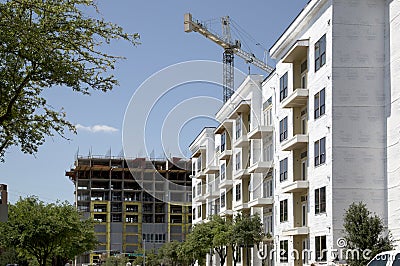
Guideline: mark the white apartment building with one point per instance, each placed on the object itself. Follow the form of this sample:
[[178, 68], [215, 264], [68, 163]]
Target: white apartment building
[[320, 132]]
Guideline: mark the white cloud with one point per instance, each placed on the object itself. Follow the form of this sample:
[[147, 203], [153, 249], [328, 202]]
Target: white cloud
[[96, 128]]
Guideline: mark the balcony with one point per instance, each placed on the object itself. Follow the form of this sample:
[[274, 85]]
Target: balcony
[[201, 199], [241, 206], [212, 190], [296, 187], [198, 151], [241, 142], [297, 142], [242, 107], [241, 174], [199, 175], [261, 202], [226, 125], [260, 131], [297, 52], [298, 98], [226, 183], [200, 196], [212, 169], [225, 213], [225, 155], [260, 167], [296, 231]]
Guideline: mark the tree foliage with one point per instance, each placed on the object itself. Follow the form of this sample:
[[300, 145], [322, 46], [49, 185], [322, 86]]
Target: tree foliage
[[247, 231], [119, 260], [47, 43], [222, 230], [218, 234], [363, 231], [47, 232], [169, 253]]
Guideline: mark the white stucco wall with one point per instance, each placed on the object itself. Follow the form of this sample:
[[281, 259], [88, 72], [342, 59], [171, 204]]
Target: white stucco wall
[[392, 63], [358, 117]]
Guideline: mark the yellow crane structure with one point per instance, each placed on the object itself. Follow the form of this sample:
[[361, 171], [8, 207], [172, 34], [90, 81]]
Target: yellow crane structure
[[230, 49]]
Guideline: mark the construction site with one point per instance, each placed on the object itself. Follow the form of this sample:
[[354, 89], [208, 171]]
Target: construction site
[[138, 203]]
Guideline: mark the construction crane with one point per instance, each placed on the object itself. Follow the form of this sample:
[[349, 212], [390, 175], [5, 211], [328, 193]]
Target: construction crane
[[230, 48]]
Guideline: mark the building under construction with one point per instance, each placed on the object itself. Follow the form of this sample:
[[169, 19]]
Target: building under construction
[[137, 203]]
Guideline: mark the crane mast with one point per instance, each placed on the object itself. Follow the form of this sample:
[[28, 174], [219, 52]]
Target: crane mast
[[230, 49]]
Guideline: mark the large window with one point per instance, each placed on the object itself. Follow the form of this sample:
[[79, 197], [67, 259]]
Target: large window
[[238, 159], [320, 248], [284, 251], [283, 169], [283, 87], [238, 127], [319, 152], [223, 199], [268, 224], [283, 128], [283, 211], [319, 104], [223, 175], [320, 53], [223, 142], [268, 117], [320, 200], [238, 191], [268, 188]]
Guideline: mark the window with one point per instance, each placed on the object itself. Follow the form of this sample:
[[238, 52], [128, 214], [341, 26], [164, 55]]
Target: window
[[283, 129], [270, 152], [194, 213], [283, 86], [283, 211], [223, 141], [199, 164], [320, 53], [268, 188], [268, 224], [199, 212], [238, 127], [238, 191], [131, 219], [268, 117], [238, 158], [319, 104], [283, 169], [320, 200], [223, 199], [319, 152], [249, 122], [284, 251], [222, 171], [320, 248]]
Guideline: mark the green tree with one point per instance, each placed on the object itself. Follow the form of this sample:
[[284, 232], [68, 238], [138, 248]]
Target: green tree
[[11, 256], [199, 242], [118, 260], [363, 231], [247, 231], [221, 231], [151, 258], [48, 43], [47, 232], [169, 253]]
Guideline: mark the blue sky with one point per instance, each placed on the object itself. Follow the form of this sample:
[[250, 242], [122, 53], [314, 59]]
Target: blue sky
[[164, 43]]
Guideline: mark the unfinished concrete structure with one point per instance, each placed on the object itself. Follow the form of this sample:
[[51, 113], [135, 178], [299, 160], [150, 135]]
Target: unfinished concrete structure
[[134, 201]]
